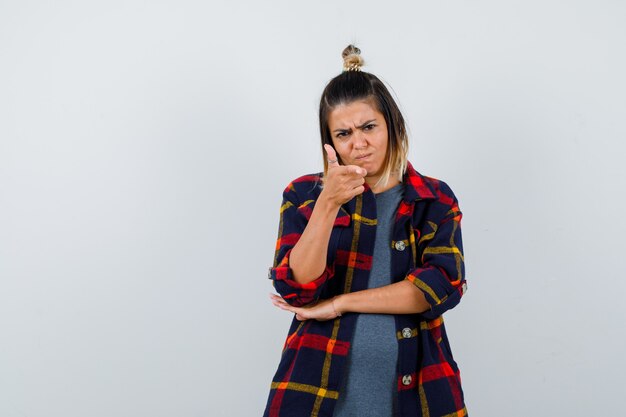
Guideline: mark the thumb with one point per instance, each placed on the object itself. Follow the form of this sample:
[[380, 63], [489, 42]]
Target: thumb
[[332, 156]]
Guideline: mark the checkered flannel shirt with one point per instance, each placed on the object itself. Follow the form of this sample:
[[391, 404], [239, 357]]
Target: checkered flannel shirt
[[426, 250]]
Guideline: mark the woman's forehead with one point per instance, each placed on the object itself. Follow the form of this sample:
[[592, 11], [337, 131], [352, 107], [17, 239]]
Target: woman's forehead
[[353, 114]]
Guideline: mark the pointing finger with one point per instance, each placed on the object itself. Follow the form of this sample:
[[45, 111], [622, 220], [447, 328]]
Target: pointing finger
[[333, 161], [357, 170]]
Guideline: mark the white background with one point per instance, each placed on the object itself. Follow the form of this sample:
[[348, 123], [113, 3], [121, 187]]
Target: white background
[[144, 147]]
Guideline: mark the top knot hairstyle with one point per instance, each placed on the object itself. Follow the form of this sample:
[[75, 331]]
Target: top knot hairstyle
[[352, 85], [352, 60]]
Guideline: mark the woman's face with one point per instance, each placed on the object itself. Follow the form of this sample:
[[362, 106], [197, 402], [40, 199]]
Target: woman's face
[[359, 134]]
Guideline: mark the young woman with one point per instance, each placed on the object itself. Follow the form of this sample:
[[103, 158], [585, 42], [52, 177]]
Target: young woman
[[369, 256]]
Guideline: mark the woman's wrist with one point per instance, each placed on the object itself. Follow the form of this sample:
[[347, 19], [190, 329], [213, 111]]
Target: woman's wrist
[[339, 304], [326, 203]]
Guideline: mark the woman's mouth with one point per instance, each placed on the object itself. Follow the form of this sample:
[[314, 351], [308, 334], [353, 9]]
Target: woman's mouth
[[361, 157]]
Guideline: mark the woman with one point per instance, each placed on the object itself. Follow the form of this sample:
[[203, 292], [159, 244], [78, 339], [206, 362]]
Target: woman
[[368, 257]]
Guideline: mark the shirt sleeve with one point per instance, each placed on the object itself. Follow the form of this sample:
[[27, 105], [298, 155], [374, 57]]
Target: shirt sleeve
[[441, 274], [291, 226]]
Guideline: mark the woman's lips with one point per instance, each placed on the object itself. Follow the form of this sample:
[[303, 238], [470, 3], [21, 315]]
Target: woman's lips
[[358, 158]]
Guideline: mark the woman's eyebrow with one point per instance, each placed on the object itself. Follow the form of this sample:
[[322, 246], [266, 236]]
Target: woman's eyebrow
[[358, 127], [366, 123]]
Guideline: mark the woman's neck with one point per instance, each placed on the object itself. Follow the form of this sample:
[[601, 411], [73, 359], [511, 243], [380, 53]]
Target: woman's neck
[[371, 181]]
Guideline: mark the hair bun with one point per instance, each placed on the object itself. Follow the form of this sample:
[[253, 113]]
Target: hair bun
[[352, 60]]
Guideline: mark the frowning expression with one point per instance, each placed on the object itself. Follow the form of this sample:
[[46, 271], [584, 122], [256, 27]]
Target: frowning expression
[[359, 134]]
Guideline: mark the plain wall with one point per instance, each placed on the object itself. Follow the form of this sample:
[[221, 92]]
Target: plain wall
[[144, 147]]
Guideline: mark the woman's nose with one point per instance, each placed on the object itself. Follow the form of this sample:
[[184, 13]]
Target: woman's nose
[[360, 140]]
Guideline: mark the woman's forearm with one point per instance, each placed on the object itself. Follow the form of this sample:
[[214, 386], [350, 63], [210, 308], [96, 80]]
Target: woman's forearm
[[398, 298], [308, 257]]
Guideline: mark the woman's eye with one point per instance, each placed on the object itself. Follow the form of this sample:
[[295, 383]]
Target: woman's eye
[[369, 127], [342, 134]]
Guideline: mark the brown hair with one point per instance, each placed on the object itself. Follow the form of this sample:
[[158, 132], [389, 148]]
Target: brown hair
[[356, 85]]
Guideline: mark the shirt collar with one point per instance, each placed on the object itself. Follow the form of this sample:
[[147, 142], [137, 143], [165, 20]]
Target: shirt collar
[[417, 186]]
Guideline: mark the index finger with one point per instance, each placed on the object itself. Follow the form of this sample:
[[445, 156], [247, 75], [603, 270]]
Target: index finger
[[355, 169]]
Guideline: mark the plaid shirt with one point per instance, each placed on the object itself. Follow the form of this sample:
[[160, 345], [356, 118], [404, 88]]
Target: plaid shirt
[[427, 251]]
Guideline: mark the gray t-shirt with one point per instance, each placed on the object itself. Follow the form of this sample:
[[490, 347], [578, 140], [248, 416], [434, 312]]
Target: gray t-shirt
[[369, 387]]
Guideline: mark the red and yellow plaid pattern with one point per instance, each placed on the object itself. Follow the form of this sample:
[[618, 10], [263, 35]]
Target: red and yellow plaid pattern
[[427, 251]]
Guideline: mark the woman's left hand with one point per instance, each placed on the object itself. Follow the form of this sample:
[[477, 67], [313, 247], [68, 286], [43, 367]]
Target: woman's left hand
[[320, 310]]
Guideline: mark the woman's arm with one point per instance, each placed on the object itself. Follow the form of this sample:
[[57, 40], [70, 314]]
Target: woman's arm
[[398, 298], [308, 257]]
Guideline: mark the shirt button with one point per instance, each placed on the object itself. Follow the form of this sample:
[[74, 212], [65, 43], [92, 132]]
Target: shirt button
[[406, 380], [400, 245], [406, 333]]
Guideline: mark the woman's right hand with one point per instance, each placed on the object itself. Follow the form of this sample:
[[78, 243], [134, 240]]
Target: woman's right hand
[[342, 183], [308, 257]]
